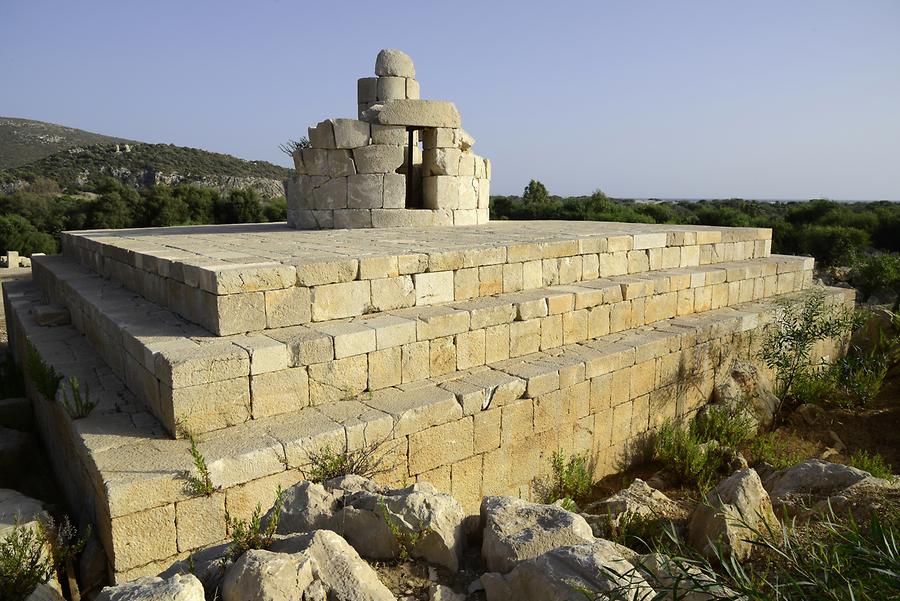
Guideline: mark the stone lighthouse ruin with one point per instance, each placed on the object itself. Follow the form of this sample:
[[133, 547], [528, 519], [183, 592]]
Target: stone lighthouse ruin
[[404, 162]]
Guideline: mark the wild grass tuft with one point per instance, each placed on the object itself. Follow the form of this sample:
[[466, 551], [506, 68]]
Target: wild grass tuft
[[252, 534], [80, 405], [571, 479], [200, 483], [42, 375], [875, 464], [327, 463]]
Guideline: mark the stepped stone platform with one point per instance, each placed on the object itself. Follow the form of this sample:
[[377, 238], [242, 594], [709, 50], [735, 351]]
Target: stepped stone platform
[[471, 386], [468, 352]]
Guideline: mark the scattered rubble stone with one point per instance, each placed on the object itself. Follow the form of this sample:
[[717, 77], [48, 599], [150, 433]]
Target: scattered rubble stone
[[180, 587]]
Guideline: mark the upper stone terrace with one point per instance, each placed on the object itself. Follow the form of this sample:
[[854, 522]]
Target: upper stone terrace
[[245, 278]]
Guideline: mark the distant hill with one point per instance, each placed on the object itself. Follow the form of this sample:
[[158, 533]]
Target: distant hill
[[24, 141], [76, 157]]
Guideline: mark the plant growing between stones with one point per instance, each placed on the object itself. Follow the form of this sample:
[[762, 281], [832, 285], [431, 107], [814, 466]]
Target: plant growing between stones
[[80, 405], [367, 461], [201, 483], [797, 328], [42, 375], [23, 562], [406, 539], [570, 480], [252, 534]]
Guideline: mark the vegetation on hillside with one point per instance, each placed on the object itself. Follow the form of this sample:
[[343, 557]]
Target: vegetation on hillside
[[75, 166], [24, 141]]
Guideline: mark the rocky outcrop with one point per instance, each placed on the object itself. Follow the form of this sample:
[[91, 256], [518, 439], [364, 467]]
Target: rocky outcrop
[[637, 502], [180, 587], [515, 531], [563, 573], [732, 516], [318, 565], [811, 480], [380, 523]]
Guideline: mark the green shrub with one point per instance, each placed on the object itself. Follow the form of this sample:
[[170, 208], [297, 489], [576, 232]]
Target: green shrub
[[796, 329], [776, 450], [875, 464], [877, 272], [690, 459], [729, 426], [23, 562], [571, 479], [80, 405], [252, 534], [17, 233], [367, 461], [42, 375], [406, 538]]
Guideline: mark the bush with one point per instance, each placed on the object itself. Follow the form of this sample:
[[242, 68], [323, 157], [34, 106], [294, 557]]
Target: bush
[[571, 479], [367, 461], [778, 450], [797, 328], [24, 564], [16, 233], [252, 534], [877, 272], [201, 483], [729, 426], [875, 464], [686, 456]]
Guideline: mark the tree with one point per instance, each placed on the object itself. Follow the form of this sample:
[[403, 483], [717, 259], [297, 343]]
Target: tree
[[535, 193], [16, 233], [241, 206]]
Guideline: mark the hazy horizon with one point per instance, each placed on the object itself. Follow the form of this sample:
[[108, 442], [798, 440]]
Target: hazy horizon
[[690, 100]]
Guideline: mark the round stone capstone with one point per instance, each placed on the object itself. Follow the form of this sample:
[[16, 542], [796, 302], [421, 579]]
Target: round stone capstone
[[394, 63]]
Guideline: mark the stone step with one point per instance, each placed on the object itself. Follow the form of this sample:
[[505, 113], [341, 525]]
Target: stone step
[[186, 374], [236, 279], [485, 430]]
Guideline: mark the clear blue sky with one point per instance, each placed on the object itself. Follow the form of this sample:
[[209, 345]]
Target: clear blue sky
[[761, 99]]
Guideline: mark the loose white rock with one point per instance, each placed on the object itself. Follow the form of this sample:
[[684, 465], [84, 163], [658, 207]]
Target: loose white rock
[[394, 63], [180, 587]]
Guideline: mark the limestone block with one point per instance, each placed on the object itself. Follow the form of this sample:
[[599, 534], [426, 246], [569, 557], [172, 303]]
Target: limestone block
[[236, 313], [442, 356], [434, 287], [391, 88], [440, 137], [331, 195], [351, 219], [266, 354], [315, 220], [189, 365], [365, 191], [441, 192], [551, 332], [532, 275], [331, 271], [391, 62], [349, 338], [487, 169], [142, 537], [287, 307], [250, 277], [496, 342], [465, 283], [394, 191], [440, 445], [524, 337], [322, 135], [395, 218], [350, 133], [378, 266], [393, 293], [638, 261], [391, 330], [412, 89], [277, 392], [470, 349], [304, 345], [417, 113], [347, 299], [484, 194], [467, 164], [490, 278], [391, 135], [338, 380], [385, 368], [366, 90], [378, 158], [442, 161], [468, 192], [207, 407], [416, 361]]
